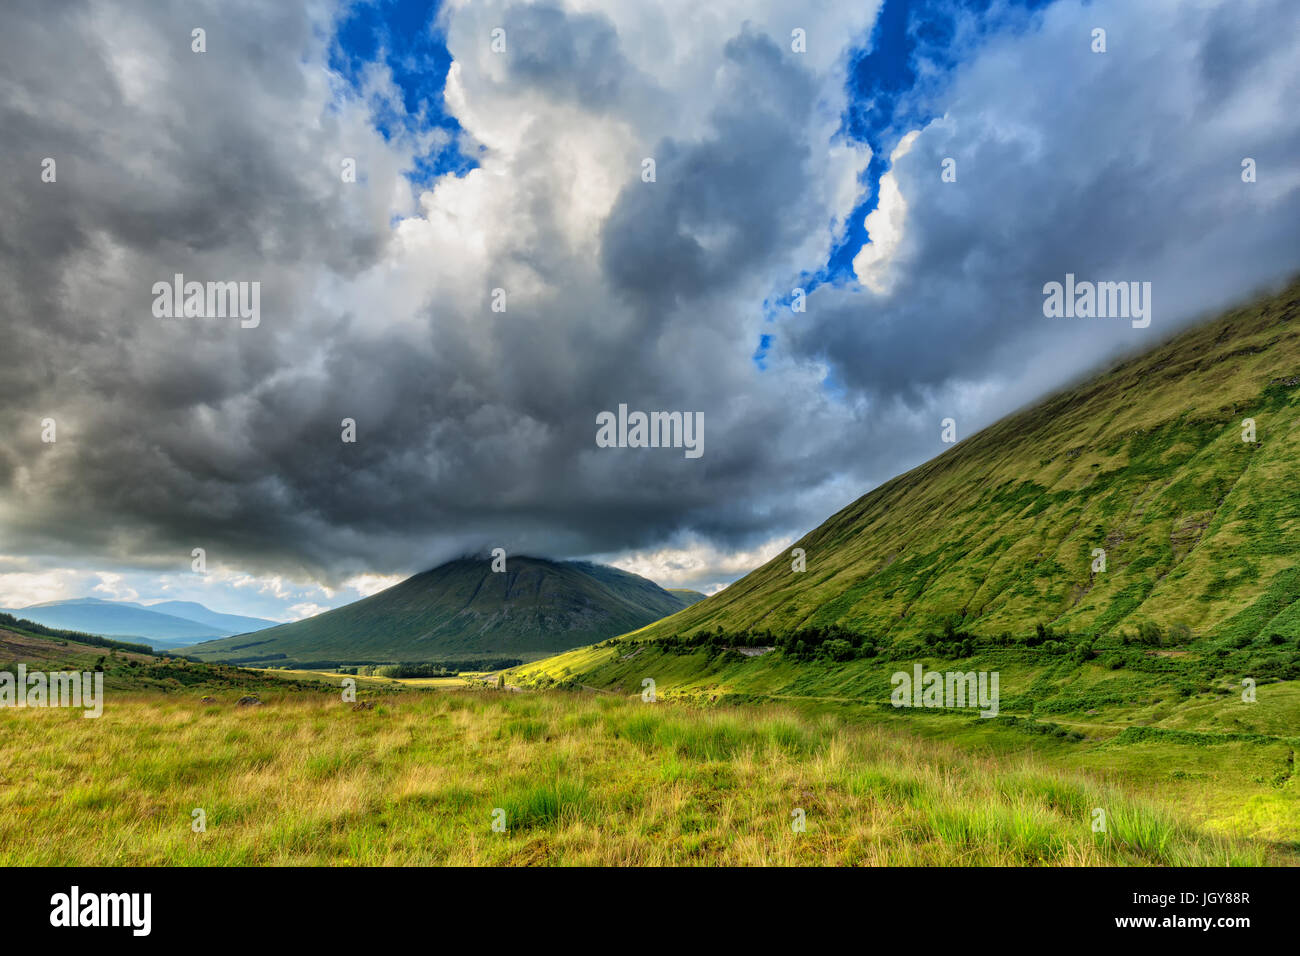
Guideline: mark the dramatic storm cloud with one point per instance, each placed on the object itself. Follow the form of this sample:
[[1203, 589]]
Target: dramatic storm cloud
[[501, 153]]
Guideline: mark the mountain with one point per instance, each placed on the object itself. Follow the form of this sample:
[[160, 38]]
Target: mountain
[[222, 623], [1001, 533], [687, 595], [463, 610], [170, 624]]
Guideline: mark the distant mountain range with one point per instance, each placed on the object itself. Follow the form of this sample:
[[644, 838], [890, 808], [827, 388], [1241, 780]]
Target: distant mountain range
[[168, 624], [464, 610]]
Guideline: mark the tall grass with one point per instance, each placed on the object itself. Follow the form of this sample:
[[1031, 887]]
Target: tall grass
[[421, 779]]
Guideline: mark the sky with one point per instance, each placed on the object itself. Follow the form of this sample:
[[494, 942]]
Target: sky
[[500, 152]]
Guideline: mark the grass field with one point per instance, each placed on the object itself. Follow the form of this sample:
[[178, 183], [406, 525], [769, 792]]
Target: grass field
[[591, 779]]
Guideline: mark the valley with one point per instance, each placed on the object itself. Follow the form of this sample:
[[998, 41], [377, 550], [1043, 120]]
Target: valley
[[1112, 576], [741, 762]]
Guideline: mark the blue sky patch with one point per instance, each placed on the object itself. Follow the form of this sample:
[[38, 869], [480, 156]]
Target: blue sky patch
[[885, 101], [404, 34]]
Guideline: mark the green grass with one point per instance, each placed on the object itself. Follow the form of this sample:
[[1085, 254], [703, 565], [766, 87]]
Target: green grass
[[580, 779], [1137, 728]]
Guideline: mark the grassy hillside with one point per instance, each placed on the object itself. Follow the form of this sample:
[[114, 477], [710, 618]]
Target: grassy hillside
[[130, 668], [464, 610], [1201, 530]]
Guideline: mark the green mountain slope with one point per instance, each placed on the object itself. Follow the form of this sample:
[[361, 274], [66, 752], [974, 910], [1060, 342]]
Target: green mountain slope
[[997, 535], [463, 610]]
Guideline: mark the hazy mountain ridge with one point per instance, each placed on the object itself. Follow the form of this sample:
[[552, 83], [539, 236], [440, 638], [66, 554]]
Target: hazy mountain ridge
[[166, 624]]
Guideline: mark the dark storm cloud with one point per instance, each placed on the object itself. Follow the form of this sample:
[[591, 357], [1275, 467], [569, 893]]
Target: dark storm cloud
[[476, 428], [167, 161], [184, 433], [650, 246]]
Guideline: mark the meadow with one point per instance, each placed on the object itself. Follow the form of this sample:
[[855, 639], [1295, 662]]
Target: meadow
[[575, 778]]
